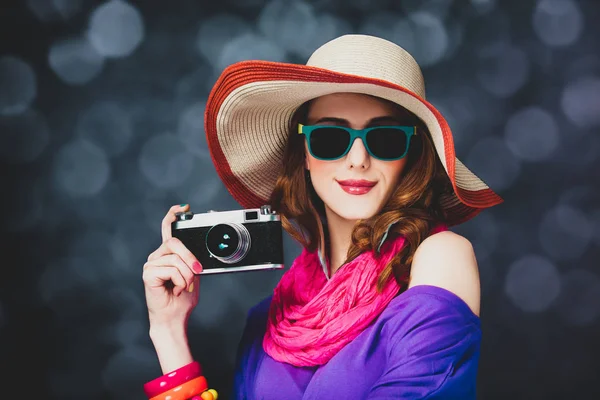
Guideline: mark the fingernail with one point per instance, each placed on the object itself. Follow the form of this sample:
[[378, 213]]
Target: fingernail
[[191, 287], [183, 205], [197, 267]]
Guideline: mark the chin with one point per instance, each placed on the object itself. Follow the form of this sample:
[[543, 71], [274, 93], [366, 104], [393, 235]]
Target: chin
[[353, 212]]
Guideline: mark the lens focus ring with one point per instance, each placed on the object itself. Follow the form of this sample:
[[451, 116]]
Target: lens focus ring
[[221, 244]]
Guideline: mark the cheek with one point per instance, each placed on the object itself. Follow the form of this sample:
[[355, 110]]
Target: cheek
[[394, 169], [319, 167]]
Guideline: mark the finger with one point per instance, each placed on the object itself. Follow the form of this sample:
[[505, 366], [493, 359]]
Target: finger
[[176, 246], [165, 226], [194, 287], [173, 260], [156, 276]]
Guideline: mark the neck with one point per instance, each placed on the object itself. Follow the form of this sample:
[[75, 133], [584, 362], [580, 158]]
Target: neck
[[340, 238]]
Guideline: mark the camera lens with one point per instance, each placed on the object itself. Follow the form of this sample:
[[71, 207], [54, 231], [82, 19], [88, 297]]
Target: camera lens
[[228, 243]]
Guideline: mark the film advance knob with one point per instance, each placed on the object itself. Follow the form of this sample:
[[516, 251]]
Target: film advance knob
[[184, 216]]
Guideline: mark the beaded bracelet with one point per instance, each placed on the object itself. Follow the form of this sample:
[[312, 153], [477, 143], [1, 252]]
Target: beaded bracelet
[[185, 391], [173, 379], [210, 394]]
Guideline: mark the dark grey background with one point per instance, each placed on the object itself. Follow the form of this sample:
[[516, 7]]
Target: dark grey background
[[101, 131]]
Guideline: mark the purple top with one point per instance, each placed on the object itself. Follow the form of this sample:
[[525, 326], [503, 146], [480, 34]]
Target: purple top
[[425, 344]]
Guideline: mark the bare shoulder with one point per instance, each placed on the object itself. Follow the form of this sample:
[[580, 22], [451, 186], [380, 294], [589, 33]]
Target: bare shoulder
[[447, 260]]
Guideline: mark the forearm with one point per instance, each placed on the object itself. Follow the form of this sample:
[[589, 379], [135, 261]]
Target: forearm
[[172, 348]]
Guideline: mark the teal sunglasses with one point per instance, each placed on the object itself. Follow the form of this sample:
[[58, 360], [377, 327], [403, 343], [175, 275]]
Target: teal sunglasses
[[329, 143]]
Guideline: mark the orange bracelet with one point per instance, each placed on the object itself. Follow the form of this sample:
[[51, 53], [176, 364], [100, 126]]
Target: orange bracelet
[[184, 391]]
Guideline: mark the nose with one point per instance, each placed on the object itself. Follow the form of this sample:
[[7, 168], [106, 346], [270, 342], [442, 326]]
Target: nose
[[358, 156]]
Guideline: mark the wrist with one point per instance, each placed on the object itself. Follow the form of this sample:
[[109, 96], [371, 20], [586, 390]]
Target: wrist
[[167, 331], [171, 345]]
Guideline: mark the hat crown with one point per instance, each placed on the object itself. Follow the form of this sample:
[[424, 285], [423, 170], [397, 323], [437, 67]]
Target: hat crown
[[370, 57]]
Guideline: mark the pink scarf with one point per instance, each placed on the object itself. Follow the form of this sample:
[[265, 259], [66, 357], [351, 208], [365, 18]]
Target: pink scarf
[[312, 318]]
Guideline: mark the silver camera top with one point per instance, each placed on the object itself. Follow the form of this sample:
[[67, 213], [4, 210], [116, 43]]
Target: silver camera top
[[250, 215]]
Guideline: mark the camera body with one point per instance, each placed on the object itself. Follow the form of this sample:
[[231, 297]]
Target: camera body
[[232, 241]]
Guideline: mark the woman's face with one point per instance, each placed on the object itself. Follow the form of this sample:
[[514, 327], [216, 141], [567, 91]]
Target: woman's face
[[357, 185]]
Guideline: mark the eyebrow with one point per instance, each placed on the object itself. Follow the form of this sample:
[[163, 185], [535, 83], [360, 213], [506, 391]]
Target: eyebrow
[[345, 122]]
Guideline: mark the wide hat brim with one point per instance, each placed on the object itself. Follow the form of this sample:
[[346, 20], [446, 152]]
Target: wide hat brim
[[247, 120]]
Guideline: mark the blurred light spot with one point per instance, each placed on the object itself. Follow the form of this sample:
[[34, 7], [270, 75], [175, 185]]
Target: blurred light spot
[[154, 210], [579, 303], [502, 69], [532, 283], [281, 23], [289, 25], [215, 32], [107, 125], [194, 86], [151, 115], [565, 233], [462, 107], [494, 163], [165, 161], [126, 369], [484, 232], [330, 27], [456, 32], [81, 168], [18, 86], [439, 8], [532, 134], [584, 197], [75, 61], [190, 129], [120, 252], [422, 34], [431, 38], [483, 6], [23, 137], [389, 26], [580, 102], [133, 242], [557, 22], [249, 46], [55, 10], [116, 29], [202, 187]]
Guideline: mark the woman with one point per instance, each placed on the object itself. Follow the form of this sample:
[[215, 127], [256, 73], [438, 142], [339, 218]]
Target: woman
[[383, 302]]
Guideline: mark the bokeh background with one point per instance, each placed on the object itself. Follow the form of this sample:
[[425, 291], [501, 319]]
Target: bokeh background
[[101, 131]]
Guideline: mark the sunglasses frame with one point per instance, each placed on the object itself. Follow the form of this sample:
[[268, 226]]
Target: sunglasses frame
[[409, 131]]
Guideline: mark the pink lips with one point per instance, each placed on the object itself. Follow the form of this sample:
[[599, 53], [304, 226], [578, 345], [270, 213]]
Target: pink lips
[[358, 187]]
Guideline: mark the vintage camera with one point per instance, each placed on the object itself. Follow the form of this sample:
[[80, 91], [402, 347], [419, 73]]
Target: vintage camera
[[231, 241]]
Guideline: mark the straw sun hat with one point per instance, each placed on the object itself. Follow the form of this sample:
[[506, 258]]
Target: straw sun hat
[[249, 109]]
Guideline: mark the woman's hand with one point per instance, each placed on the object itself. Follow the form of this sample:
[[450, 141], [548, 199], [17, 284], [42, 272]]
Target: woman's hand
[[171, 288]]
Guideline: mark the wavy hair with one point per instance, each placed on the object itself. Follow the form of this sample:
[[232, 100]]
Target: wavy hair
[[412, 210]]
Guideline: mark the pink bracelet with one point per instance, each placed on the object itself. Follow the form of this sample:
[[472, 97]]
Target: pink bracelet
[[172, 379]]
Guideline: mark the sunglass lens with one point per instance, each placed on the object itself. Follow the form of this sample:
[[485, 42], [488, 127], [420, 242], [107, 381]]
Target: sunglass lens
[[387, 143], [329, 143]]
